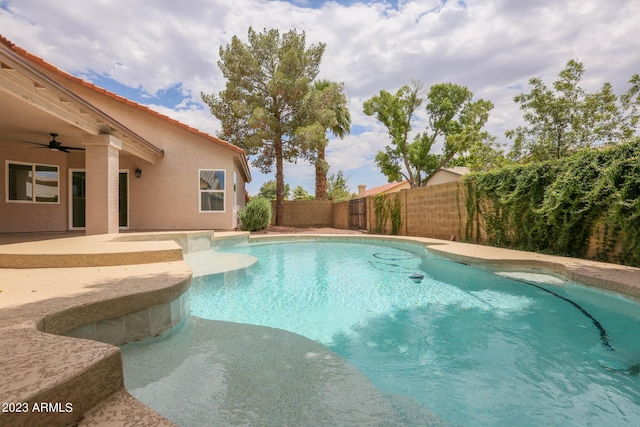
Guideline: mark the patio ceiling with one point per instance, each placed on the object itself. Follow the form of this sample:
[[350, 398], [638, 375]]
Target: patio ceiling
[[23, 121], [34, 105]]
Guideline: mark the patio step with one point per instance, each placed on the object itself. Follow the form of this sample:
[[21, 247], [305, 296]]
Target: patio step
[[87, 251]]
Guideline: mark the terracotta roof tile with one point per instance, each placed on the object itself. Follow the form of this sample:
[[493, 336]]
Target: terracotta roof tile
[[98, 89], [382, 188]]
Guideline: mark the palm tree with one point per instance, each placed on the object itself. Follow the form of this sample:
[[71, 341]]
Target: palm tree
[[334, 116]]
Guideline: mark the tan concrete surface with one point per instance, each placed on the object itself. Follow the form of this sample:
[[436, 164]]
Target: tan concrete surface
[[122, 409], [36, 303], [612, 277], [83, 251]]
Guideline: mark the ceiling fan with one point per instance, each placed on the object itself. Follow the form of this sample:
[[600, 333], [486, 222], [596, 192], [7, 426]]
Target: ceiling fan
[[54, 145]]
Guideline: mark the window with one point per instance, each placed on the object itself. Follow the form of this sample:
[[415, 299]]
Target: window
[[32, 183], [212, 186]]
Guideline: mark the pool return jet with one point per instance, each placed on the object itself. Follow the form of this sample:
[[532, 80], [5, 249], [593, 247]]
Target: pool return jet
[[416, 277]]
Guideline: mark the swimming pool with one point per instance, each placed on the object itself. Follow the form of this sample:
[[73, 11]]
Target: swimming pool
[[473, 346]]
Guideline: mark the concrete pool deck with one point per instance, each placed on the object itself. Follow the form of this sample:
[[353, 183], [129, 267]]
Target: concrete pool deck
[[50, 287]]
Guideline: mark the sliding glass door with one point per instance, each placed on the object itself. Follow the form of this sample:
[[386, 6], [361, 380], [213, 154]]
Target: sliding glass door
[[78, 207]]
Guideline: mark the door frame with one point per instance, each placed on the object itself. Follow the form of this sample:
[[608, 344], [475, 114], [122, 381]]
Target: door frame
[[128, 184], [70, 197], [70, 193]]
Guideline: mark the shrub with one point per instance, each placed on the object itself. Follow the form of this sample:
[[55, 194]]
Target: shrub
[[256, 215], [381, 209], [395, 213]]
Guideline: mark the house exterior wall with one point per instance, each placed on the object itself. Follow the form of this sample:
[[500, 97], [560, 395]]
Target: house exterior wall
[[401, 186], [17, 217], [167, 194], [443, 177], [165, 197]]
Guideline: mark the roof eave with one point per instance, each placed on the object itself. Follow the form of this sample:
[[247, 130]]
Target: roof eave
[[18, 58]]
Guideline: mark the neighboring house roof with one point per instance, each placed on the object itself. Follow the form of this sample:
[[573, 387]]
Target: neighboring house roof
[[458, 170], [387, 188], [446, 175], [393, 187], [36, 59], [211, 180]]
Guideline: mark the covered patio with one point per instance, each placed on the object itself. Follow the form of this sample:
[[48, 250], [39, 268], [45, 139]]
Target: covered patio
[[86, 152]]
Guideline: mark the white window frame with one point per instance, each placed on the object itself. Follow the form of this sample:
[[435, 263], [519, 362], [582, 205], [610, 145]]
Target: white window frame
[[222, 191], [33, 190]]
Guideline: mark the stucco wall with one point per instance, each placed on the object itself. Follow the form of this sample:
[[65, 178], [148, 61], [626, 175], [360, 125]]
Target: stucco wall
[[165, 197], [167, 194], [16, 217], [443, 177]]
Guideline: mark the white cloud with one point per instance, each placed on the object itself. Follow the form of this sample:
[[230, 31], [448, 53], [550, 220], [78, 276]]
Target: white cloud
[[491, 46]]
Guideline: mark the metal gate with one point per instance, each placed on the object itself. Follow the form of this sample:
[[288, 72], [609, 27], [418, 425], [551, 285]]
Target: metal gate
[[358, 214]]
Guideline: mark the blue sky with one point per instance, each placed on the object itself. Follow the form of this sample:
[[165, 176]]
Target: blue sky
[[163, 54]]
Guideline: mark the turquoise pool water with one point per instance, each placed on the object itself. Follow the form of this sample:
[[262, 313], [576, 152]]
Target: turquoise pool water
[[474, 347]]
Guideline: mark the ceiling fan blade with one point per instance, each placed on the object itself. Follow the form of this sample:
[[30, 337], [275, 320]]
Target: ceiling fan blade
[[36, 143], [53, 146]]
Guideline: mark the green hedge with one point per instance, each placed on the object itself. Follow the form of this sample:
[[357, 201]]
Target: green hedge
[[554, 206]]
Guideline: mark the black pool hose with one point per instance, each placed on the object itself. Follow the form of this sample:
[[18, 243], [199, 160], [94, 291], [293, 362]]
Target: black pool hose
[[603, 332]]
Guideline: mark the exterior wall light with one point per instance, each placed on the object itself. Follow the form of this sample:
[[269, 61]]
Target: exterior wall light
[[138, 173]]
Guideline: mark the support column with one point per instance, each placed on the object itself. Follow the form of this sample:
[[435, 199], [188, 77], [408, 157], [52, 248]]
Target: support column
[[102, 164]]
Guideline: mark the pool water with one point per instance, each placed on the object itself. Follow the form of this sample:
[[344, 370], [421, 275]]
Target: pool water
[[473, 346]]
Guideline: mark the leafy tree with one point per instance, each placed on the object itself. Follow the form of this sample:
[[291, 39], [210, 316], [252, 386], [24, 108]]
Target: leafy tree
[[262, 105], [396, 112], [300, 193], [482, 157], [328, 109], [337, 188], [456, 117], [453, 117], [566, 117], [269, 190]]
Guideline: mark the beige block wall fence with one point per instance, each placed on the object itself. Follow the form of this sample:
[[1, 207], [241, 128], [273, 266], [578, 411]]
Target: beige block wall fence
[[436, 211], [306, 213]]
